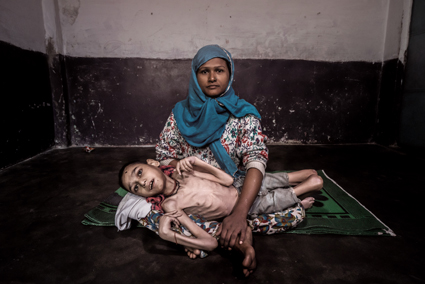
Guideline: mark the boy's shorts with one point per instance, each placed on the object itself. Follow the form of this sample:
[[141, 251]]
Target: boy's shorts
[[275, 195]]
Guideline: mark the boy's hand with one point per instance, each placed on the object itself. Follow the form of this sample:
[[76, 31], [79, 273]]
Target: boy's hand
[[167, 221], [186, 165]]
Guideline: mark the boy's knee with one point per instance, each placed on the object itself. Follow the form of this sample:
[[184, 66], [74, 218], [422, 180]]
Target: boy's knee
[[312, 172], [317, 181]]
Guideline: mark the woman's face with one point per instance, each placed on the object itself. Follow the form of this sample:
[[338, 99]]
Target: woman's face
[[213, 77]]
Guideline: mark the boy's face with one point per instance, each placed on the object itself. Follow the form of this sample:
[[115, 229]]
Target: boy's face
[[213, 77], [144, 180]]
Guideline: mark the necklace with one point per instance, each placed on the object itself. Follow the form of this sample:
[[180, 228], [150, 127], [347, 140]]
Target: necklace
[[176, 187]]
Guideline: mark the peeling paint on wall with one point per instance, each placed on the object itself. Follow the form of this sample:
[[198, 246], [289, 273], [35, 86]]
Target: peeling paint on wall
[[69, 11], [127, 101]]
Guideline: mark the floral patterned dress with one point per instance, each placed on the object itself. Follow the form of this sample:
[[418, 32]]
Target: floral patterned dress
[[242, 138]]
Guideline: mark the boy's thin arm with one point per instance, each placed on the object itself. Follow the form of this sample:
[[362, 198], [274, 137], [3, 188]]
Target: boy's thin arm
[[205, 170], [173, 163], [201, 241]]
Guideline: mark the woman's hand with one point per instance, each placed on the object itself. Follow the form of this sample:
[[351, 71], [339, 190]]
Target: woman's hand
[[186, 165], [235, 224], [232, 227]]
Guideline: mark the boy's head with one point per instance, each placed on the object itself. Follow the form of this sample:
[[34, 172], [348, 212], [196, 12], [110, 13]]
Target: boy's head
[[145, 179]]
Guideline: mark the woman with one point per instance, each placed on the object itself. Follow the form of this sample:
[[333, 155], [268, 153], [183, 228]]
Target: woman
[[213, 124]]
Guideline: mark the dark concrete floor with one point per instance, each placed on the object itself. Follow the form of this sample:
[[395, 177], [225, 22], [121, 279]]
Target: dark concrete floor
[[43, 201]]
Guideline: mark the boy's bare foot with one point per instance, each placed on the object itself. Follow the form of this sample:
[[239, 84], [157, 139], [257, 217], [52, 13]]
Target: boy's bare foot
[[307, 202], [249, 262], [192, 253]]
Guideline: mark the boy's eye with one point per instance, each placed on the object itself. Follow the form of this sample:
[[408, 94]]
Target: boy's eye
[[139, 173], [136, 188]]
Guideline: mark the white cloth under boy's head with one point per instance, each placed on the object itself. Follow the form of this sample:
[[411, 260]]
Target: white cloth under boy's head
[[131, 207]]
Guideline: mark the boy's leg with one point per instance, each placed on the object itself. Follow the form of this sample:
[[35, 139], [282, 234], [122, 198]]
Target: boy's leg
[[274, 180], [273, 201], [312, 183], [282, 179], [278, 199], [300, 176]]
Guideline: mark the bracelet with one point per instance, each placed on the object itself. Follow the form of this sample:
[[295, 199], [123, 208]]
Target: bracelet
[[175, 238]]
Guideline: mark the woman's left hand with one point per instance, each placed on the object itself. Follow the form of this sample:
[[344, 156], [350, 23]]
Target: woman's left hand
[[232, 229], [234, 225]]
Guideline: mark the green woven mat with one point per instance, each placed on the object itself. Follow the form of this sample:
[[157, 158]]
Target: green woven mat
[[337, 212], [334, 212], [104, 213]]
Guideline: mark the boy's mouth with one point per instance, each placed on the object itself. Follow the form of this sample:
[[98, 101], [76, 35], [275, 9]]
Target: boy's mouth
[[151, 184]]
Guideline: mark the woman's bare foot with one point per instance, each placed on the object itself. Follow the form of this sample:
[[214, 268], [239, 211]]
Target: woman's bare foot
[[192, 253], [307, 202], [249, 262]]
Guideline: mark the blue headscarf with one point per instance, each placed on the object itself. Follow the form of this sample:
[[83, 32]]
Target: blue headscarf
[[202, 119]]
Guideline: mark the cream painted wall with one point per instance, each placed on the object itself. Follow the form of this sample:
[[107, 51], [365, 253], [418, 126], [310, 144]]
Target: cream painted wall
[[405, 29], [21, 24], [326, 30], [52, 25], [322, 30], [397, 29]]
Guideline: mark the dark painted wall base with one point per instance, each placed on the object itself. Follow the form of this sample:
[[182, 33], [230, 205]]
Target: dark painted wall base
[[389, 106], [26, 117], [127, 101], [412, 120]]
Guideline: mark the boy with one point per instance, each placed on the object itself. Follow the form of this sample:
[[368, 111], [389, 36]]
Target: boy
[[196, 187]]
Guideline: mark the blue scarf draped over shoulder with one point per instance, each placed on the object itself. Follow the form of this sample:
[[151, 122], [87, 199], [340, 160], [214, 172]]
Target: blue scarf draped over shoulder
[[202, 119]]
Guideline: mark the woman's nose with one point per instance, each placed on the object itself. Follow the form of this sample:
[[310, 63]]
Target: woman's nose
[[211, 77]]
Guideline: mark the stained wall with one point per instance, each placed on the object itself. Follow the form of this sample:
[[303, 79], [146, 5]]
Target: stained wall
[[314, 69]]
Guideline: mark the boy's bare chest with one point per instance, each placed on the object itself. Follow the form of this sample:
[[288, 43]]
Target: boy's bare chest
[[198, 188], [204, 197]]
